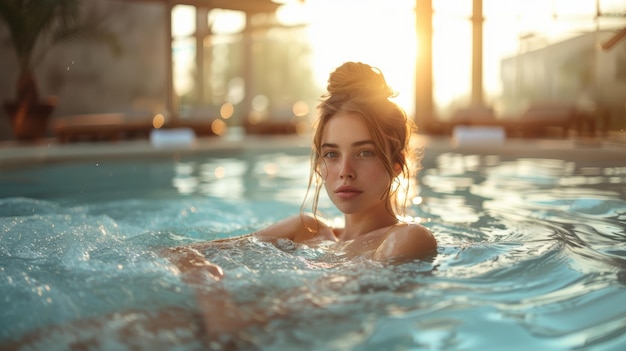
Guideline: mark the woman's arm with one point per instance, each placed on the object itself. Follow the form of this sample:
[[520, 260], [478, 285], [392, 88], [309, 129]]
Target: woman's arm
[[189, 260], [299, 228]]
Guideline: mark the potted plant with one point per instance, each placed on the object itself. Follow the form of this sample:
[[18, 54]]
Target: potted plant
[[34, 27]]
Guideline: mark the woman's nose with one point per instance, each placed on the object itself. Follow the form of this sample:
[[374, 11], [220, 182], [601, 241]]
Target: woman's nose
[[347, 171]]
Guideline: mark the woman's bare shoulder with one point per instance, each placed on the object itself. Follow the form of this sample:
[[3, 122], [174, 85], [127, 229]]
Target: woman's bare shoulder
[[407, 241]]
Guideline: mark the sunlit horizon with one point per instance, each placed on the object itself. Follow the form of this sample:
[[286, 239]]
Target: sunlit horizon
[[383, 35]]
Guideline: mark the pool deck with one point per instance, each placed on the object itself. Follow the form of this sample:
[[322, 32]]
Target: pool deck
[[610, 149]]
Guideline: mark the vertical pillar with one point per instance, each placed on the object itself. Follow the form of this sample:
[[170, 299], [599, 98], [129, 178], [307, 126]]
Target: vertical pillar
[[247, 70], [170, 107], [424, 110], [477, 53], [201, 33]]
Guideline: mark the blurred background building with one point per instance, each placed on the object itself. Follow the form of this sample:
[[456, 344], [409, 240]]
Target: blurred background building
[[263, 64]]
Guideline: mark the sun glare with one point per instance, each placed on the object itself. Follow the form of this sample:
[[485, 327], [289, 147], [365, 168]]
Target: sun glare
[[383, 34], [369, 31]]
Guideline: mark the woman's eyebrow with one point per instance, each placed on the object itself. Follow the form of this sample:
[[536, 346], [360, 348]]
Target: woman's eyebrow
[[363, 142], [355, 144]]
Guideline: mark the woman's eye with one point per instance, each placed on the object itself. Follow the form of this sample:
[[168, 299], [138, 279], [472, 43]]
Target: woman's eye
[[367, 153], [330, 154]]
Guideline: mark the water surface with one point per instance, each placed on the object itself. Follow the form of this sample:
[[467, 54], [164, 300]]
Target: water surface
[[532, 254]]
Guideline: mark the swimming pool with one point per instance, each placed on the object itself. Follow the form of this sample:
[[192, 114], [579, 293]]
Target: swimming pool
[[532, 252]]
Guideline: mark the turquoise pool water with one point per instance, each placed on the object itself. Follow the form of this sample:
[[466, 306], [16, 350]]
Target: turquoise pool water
[[532, 254]]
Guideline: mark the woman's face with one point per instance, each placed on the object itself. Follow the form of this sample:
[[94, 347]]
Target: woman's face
[[354, 175]]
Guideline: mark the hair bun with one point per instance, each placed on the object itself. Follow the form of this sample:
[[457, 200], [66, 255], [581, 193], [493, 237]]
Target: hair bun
[[356, 78]]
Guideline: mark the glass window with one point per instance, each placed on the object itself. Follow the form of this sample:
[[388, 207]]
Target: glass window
[[183, 20], [226, 21]]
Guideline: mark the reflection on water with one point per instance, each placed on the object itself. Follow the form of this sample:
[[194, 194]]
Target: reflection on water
[[532, 254], [278, 176], [542, 241]]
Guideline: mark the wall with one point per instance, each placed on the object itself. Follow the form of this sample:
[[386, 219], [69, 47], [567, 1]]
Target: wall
[[86, 77]]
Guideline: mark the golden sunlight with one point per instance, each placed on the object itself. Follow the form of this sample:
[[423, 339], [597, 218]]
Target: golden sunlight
[[369, 31], [383, 34]]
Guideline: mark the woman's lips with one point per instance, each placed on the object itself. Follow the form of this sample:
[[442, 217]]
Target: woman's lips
[[347, 192]]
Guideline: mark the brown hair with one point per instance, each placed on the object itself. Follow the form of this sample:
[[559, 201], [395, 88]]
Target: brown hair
[[359, 88]]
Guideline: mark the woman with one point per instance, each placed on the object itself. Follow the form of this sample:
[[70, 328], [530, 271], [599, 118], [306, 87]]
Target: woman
[[362, 157]]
